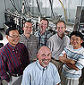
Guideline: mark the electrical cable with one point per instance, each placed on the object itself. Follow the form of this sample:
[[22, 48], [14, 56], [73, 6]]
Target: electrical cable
[[65, 14], [25, 6], [14, 6], [5, 4], [51, 7], [38, 7]]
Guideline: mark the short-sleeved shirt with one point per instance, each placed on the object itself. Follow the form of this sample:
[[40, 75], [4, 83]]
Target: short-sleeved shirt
[[35, 74], [78, 56], [57, 45]]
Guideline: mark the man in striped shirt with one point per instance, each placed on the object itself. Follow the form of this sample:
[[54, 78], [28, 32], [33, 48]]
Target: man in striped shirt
[[13, 58], [73, 59]]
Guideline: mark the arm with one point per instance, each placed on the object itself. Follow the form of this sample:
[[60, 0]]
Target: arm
[[56, 75], [26, 79], [3, 67], [57, 84], [50, 44], [64, 59], [26, 54], [72, 66], [69, 62]]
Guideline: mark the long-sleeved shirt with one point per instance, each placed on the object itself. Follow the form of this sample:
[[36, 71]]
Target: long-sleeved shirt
[[35, 74], [13, 60], [31, 44]]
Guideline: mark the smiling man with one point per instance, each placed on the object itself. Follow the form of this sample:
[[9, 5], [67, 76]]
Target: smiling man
[[29, 40], [12, 57], [57, 42], [73, 59], [43, 34], [41, 72]]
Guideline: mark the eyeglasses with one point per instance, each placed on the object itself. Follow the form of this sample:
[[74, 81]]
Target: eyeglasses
[[28, 27], [60, 27], [14, 36]]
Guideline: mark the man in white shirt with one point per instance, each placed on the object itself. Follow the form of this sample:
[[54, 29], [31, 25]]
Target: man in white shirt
[[58, 42], [41, 72]]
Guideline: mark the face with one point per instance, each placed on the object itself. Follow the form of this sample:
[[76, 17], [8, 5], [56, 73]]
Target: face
[[43, 25], [27, 28], [60, 28], [76, 41], [44, 56], [13, 37]]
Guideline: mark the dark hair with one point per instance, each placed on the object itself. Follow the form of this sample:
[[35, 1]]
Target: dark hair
[[76, 33], [45, 20], [62, 22], [29, 21], [12, 27]]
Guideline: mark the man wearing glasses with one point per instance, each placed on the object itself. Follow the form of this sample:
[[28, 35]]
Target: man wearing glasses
[[13, 58], [57, 43]]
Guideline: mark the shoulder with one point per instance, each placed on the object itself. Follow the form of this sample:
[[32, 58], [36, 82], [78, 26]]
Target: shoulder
[[36, 33], [4, 47], [48, 32], [53, 37], [67, 37], [52, 66], [33, 37], [82, 51], [30, 67], [4, 50], [21, 45]]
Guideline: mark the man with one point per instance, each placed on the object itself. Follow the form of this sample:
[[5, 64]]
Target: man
[[57, 42], [73, 59], [43, 34], [29, 40], [13, 58], [41, 72]]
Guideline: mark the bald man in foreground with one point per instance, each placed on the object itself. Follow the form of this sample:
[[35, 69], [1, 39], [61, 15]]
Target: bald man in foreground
[[41, 72]]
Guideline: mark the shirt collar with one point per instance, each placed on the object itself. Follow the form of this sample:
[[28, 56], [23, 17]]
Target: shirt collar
[[26, 37], [60, 38], [40, 67], [11, 47]]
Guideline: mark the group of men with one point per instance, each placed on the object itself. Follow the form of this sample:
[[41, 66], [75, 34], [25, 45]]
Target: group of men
[[17, 57]]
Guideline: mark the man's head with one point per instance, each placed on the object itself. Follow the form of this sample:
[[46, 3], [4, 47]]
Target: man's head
[[43, 24], [44, 56], [61, 27], [76, 39], [27, 27], [12, 35]]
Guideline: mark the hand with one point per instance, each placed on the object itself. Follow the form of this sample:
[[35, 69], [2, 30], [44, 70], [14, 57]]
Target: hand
[[63, 58]]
